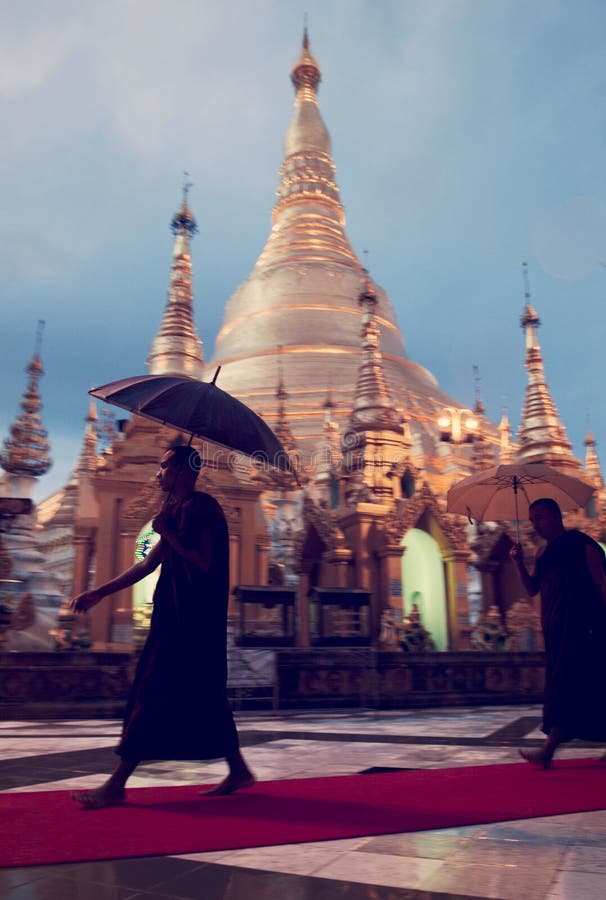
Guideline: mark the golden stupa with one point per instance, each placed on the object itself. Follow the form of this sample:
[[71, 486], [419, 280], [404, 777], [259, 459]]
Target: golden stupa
[[298, 314]]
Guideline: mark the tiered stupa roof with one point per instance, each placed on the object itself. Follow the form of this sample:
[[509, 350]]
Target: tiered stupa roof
[[373, 407], [177, 349], [27, 450], [542, 436], [592, 469]]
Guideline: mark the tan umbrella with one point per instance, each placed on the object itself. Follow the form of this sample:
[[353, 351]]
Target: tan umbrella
[[504, 493]]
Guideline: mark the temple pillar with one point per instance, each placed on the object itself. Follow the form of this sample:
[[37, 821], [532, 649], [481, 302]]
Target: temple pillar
[[390, 588], [107, 564], [248, 551], [362, 527], [459, 627], [121, 626], [263, 546], [83, 546], [234, 573], [337, 567], [302, 610]]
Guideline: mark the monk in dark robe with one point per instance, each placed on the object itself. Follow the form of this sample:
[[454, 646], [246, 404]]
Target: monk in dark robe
[[570, 573], [178, 706]]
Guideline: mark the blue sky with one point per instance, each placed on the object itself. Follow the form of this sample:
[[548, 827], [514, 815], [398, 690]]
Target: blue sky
[[468, 135]]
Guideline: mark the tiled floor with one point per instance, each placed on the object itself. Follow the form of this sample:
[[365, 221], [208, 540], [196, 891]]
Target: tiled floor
[[561, 857]]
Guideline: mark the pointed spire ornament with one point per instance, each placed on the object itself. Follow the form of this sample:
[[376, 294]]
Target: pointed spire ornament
[[592, 469], [482, 455], [308, 218], [505, 445], [328, 454], [373, 407], [542, 436], [282, 428], [88, 455], [27, 450], [86, 466], [177, 349], [478, 407]]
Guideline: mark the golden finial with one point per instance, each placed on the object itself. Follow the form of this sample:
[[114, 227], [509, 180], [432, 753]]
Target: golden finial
[[306, 72], [478, 404], [530, 315], [184, 219]]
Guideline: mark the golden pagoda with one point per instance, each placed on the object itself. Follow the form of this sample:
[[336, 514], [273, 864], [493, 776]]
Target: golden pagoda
[[301, 301]]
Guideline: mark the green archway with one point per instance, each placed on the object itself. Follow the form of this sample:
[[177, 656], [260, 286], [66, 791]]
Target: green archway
[[143, 591], [423, 583]]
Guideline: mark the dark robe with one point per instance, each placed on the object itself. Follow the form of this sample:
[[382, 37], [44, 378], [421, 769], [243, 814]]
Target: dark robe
[[574, 626], [178, 706]]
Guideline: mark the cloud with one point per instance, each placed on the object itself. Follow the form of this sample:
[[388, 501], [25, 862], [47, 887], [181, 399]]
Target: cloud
[[28, 61]]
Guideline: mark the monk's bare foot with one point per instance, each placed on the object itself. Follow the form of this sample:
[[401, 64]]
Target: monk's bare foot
[[98, 797], [230, 784], [536, 758]]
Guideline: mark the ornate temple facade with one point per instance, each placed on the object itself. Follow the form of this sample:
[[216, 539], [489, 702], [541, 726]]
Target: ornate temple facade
[[362, 551]]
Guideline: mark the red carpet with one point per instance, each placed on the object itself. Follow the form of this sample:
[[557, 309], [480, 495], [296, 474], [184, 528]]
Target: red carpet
[[48, 827]]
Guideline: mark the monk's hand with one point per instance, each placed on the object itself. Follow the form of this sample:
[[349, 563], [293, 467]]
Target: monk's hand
[[83, 602], [516, 554]]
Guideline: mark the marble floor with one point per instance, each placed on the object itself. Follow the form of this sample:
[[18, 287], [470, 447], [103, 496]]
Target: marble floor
[[560, 857]]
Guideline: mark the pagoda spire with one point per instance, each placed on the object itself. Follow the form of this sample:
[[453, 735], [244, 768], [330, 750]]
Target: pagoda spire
[[482, 454], [505, 446], [177, 349], [373, 408], [78, 486], [88, 455], [27, 451], [282, 429], [308, 219], [328, 454], [542, 436], [592, 469]]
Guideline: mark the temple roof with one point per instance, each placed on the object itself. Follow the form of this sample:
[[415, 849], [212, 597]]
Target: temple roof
[[27, 449]]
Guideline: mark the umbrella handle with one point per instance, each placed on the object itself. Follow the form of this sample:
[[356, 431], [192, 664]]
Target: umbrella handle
[[216, 374], [515, 497]]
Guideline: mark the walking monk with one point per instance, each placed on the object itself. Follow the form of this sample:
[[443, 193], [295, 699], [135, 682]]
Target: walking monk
[[178, 706], [570, 573]]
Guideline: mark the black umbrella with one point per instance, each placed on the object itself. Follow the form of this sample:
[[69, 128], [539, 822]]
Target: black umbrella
[[200, 408]]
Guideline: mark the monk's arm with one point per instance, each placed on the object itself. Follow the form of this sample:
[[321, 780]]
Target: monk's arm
[[530, 582], [140, 570]]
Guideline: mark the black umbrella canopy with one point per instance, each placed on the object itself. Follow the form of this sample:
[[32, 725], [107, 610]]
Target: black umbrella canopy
[[200, 408]]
